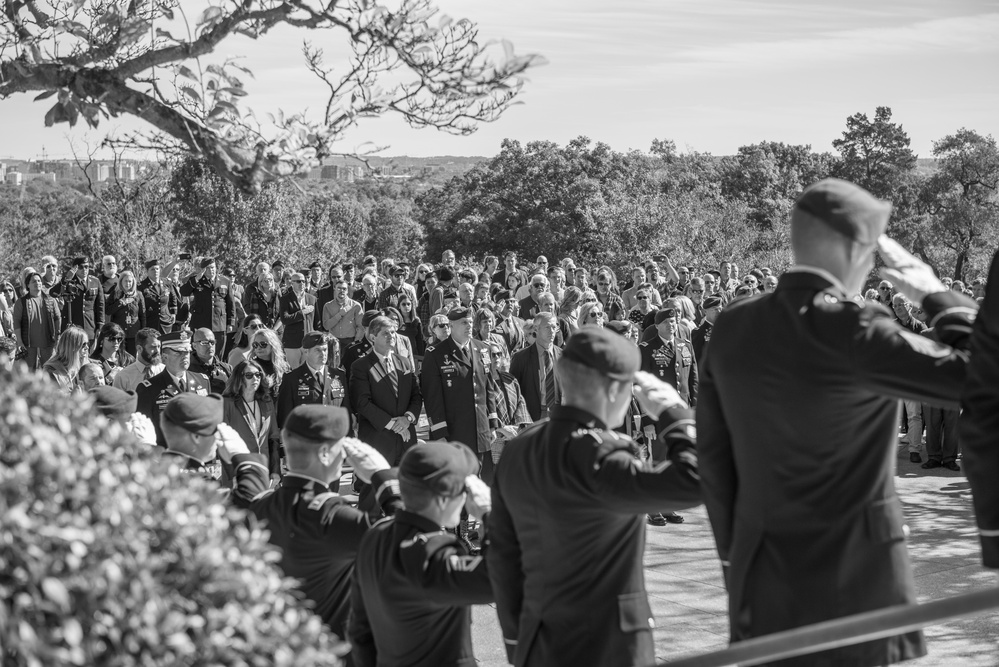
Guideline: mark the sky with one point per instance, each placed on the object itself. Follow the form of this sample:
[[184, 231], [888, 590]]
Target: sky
[[711, 75]]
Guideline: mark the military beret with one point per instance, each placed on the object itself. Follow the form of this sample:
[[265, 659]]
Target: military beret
[[200, 415], [314, 338], [450, 294], [619, 327], [315, 265], [113, 402], [277, 263], [445, 274], [503, 295], [439, 467], [150, 263], [207, 261], [711, 302], [459, 313], [848, 208], [176, 340], [664, 314], [318, 423], [80, 261], [368, 316], [604, 351], [404, 265], [399, 270]]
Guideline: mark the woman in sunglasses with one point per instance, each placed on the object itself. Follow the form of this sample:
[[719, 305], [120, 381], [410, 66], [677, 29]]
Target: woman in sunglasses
[[441, 328], [247, 407], [412, 327], [422, 271], [591, 314], [110, 352], [266, 350], [251, 324], [70, 355]]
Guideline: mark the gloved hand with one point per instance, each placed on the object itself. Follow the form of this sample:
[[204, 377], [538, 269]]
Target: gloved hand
[[478, 501], [910, 275], [654, 395], [364, 458], [141, 427], [229, 443]]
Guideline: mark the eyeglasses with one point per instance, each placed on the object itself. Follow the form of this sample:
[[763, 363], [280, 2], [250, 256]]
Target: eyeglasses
[[206, 343], [594, 314], [643, 298], [115, 339], [602, 284], [252, 375], [296, 280], [589, 300], [255, 326], [421, 273], [51, 266], [443, 325], [697, 291], [260, 346], [85, 347]]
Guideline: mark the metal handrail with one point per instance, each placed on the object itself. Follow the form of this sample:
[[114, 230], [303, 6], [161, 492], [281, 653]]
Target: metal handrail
[[845, 631]]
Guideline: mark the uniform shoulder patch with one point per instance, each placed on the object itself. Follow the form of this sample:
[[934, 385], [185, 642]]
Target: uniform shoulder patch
[[644, 343], [318, 501], [429, 348], [146, 383]]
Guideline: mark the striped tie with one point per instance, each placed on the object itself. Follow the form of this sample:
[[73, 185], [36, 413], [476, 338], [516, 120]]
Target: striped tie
[[549, 380], [393, 378]]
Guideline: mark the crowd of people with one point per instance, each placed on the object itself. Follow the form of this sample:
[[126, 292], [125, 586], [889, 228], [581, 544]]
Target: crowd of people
[[265, 385]]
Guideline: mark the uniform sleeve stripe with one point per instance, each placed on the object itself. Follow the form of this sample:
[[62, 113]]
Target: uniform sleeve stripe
[[434, 427], [678, 422], [511, 642], [985, 532], [963, 310], [253, 463], [392, 487]]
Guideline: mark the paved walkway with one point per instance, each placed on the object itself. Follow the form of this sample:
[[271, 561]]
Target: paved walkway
[[685, 588]]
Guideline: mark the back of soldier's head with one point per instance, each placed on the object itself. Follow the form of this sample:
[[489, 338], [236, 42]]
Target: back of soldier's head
[[308, 429]]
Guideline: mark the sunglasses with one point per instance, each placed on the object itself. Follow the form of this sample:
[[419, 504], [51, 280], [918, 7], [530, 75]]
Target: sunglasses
[[643, 298], [442, 326], [594, 314], [421, 273], [298, 281], [252, 375], [85, 347], [205, 343], [115, 339], [260, 346], [589, 300], [51, 266], [255, 326]]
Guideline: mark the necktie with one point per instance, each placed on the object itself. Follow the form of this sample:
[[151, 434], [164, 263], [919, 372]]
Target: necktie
[[181, 384], [549, 380], [393, 378], [321, 381]]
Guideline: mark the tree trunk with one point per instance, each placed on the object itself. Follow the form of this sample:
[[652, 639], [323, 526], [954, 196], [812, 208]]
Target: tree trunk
[[962, 259]]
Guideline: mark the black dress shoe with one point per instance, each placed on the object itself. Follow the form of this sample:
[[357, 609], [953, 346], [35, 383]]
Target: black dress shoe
[[656, 520], [673, 517], [952, 465], [914, 457], [932, 463]]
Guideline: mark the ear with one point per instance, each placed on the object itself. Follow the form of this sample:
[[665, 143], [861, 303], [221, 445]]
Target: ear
[[326, 455]]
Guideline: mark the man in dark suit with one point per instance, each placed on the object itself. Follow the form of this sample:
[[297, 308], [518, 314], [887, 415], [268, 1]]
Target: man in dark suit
[[529, 306], [297, 307], [460, 390], [566, 532], [156, 392], [310, 383], [385, 394], [204, 361], [797, 434], [534, 368]]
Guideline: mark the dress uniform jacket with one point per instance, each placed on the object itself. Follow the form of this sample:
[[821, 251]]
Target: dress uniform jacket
[[699, 337], [410, 598], [317, 531], [376, 403], [460, 394], [354, 351], [212, 304], [161, 301], [674, 364], [296, 324], [526, 367], [979, 425], [797, 448], [567, 537], [301, 387], [83, 303], [156, 392]]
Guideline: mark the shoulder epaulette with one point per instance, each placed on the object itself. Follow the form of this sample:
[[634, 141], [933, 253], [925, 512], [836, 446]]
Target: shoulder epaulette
[[146, 383], [644, 343]]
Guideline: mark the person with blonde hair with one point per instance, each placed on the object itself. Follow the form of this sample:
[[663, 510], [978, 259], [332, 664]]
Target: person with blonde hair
[[127, 308], [266, 349], [592, 314], [72, 351]]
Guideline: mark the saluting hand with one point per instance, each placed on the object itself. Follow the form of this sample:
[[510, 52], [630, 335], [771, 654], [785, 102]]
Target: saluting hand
[[654, 395], [479, 499], [365, 459], [913, 277], [229, 443]]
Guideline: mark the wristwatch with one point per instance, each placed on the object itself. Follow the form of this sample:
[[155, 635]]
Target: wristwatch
[[409, 416]]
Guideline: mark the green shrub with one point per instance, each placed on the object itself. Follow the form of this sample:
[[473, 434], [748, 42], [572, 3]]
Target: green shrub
[[109, 558]]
